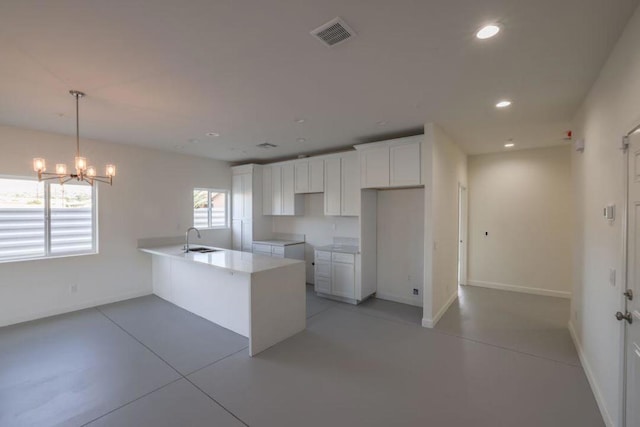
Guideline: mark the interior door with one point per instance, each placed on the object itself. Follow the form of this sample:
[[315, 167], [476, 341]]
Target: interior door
[[632, 295]]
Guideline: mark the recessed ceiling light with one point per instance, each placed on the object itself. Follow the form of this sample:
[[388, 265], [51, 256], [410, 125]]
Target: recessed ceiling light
[[509, 145], [299, 120], [301, 140], [503, 104], [194, 141], [381, 123], [487, 31], [213, 134]]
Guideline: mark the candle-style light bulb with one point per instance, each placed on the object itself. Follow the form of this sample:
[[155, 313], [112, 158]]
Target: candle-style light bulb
[[111, 171], [91, 171], [81, 164], [39, 165], [61, 169]]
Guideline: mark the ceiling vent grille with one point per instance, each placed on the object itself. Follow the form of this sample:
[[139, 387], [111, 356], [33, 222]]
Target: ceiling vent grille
[[266, 145], [333, 32]]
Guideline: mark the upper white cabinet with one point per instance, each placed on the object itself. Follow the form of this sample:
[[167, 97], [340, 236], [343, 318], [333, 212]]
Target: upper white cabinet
[[394, 163], [405, 164], [309, 176], [374, 167], [279, 196], [341, 185]]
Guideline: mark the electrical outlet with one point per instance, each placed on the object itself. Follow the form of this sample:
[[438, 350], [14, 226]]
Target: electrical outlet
[[416, 291], [73, 288]]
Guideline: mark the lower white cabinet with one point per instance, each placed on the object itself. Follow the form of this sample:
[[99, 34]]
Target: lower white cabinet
[[295, 251], [335, 274]]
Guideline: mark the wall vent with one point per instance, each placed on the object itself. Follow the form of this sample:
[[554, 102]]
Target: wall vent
[[266, 145], [333, 32]]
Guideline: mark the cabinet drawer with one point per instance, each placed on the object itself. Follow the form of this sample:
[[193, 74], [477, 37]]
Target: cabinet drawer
[[277, 250], [323, 285], [323, 256], [264, 249], [323, 269], [344, 258]]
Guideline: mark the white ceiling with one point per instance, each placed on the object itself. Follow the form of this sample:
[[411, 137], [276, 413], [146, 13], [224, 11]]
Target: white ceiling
[[161, 73]]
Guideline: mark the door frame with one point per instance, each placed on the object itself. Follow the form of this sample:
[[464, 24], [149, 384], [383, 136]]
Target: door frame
[[624, 283], [463, 233]]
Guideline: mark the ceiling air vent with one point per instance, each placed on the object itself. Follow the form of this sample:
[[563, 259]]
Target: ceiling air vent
[[333, 32], [266, 145]]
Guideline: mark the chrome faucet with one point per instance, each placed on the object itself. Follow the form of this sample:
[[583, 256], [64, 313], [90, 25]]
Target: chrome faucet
[[186, 237]]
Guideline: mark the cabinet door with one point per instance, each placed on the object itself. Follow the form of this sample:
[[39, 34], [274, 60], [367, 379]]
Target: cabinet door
[[350, 197], [288, 190], [332, 186], [267, 191], [405, 164], [237, 198], [316, 176], [247, 195], [276, 188], [236, 234], [247, 235], [343, 280], [374, 167], [301, 177]]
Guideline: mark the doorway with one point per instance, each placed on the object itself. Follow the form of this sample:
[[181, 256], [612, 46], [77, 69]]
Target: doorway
[[462, 235], [630, 316]]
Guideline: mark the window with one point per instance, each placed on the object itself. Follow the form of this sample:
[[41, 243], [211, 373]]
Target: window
[[40, 220], [210, 208]]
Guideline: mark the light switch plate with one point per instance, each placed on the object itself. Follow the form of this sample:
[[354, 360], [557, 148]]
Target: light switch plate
[[612, 277]]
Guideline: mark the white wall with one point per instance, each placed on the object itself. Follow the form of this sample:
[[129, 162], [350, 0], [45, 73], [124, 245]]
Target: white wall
[[444, 167], [524, 200], [151, 197], [318, 228], [400, 231], [611, 109]]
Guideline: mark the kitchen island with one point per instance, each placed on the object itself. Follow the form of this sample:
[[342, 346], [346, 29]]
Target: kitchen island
[[259, 297]]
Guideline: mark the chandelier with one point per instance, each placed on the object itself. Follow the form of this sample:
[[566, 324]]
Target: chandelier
[[83, 172]]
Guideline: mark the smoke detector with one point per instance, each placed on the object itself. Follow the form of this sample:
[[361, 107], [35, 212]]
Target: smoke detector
[[333, 32], [266, 145]]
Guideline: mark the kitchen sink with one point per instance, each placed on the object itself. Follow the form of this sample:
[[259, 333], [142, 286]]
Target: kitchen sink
[[204, 250]]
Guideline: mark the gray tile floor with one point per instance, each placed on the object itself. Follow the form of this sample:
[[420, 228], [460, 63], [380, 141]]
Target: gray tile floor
[[145, 362]]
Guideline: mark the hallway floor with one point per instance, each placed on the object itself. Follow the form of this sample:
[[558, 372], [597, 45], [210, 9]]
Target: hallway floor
[[145, 362]]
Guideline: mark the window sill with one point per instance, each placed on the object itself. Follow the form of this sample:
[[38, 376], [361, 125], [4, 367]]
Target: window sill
[[44, 258]]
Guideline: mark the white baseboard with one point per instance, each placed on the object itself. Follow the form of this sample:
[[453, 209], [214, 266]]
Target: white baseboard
[[590, 377], [76, 307], [430, 323], [522, 289], [390, 297]]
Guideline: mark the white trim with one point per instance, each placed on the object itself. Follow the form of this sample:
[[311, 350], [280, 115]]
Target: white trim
[[430, 323], [590, 377], [522, 289], [409, 301], [76, 307]]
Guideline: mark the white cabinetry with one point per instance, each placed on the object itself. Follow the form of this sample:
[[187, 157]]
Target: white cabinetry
[[388, 164], [341, 189], [280, 197], [336, 275], [309, 176], [247, 221], [295, 251]]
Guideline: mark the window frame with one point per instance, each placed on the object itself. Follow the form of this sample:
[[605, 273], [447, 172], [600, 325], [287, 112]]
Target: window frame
[[47, 225], [227, 208]]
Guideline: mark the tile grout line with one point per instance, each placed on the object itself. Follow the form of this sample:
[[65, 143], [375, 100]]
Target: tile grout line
[[401, 322], [168, 364], [216, 361], [129, 403]]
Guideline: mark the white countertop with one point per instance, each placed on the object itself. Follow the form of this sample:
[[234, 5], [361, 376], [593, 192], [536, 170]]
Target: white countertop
[[240, 262], [278, 242], [345, 249]]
